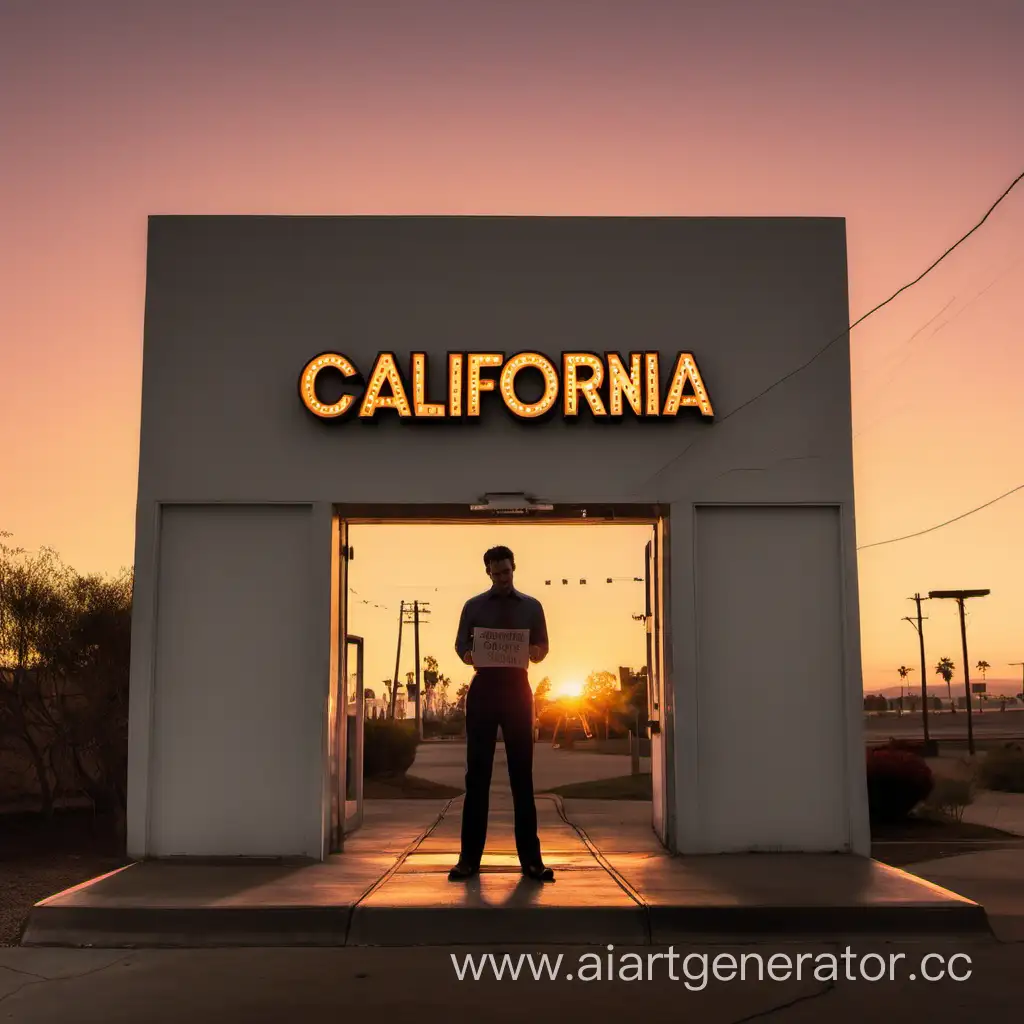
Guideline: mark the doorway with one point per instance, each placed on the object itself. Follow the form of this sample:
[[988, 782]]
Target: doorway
[[355, 687]]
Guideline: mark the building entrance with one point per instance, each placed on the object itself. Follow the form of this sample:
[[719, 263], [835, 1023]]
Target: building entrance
[[412, 568]]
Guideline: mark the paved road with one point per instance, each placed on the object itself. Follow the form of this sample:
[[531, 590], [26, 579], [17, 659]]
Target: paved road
[[989, 725], [271, 986]]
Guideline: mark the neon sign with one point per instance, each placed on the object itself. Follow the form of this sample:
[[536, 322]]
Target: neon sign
[[606, 386]]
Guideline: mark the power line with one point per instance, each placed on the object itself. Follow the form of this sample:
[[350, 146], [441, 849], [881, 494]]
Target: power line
[[921, 533], [583, 582], [839, 337], [436, 588], [878, 421]]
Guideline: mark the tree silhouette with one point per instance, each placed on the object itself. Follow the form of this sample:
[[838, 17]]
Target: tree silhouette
[[602, 695], [904, 672], [945, 669], [542, 695]]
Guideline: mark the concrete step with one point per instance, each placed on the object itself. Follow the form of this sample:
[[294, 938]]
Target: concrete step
[[614, 884]]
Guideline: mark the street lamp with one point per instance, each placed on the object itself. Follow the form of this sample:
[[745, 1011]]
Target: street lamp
[[960, 596]]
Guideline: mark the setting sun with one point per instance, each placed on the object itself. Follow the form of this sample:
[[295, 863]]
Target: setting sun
[[572, 688]]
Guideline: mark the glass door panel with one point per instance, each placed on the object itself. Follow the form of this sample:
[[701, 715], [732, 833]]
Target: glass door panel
[[354, 708]]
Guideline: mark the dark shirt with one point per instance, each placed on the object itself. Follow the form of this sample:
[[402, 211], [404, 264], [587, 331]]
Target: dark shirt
[[491, 610]]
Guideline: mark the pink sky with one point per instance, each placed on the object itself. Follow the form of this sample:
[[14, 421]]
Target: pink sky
[[902, 117]]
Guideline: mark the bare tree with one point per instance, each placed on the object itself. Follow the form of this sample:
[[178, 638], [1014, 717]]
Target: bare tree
[[65, 644], [30, 619]]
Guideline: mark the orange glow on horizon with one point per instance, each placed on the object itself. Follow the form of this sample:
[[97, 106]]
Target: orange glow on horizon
[[569, 688]]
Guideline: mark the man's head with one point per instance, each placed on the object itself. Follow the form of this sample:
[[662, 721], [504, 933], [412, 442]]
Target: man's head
[[500, 564]]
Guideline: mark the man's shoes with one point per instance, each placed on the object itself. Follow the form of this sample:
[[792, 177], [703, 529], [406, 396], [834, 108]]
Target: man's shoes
[[538, 873], [461, 872]]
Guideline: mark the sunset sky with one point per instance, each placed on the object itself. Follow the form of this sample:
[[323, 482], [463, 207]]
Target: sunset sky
[[902, 117]]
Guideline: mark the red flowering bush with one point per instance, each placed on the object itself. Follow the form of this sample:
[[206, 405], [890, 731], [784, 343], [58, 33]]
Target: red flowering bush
[[911, 746], [898, 781]]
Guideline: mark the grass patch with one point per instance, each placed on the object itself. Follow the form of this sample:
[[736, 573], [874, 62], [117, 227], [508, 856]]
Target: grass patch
[[40, 857], [407, 787], [934, 827], [621, 787], [934, 837]]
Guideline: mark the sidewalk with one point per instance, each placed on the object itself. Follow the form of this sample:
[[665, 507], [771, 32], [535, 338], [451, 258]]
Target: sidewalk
[[607, 857], [390, 887], [302, 986], [997, 810]]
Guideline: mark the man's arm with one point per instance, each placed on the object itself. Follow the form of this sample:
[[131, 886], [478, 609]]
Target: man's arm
[[464, 636], [538, 634]]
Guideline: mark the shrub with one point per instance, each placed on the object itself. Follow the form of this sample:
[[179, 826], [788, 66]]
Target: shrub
[[897, 782], [951, 796], [909, 746], [1003, 769], [389, 746], [454, 724], [919, 747]]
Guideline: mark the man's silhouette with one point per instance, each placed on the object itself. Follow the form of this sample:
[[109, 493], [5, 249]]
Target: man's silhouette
[[500, 697]]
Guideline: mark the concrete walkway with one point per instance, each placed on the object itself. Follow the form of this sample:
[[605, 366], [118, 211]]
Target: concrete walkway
[[997, 810], [390, 888], [446, 763]]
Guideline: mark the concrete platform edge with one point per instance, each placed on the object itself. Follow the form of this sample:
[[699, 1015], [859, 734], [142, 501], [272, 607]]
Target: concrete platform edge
[[428, 926]]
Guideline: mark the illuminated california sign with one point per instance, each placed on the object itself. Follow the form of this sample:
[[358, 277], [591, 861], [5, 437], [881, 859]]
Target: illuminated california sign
[[608, 386]]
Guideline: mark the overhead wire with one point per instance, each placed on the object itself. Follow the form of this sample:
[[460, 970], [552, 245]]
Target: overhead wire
[[842, 334], [938, 526], [893, 367]]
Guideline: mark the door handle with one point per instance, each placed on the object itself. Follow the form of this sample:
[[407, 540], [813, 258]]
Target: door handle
[[654, 725]]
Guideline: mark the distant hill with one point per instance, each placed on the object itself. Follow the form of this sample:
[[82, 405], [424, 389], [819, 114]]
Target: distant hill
[[995, 687]]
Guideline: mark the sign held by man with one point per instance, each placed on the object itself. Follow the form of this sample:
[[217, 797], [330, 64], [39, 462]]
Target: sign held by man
[[501, 648]]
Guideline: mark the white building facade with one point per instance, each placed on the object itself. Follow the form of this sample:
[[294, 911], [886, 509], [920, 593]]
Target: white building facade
[[302, 374]]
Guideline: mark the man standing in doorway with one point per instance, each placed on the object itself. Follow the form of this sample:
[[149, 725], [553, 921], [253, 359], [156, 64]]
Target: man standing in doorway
[[500, 697]]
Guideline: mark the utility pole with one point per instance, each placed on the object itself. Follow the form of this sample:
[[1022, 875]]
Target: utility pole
[[924, 678], [419, 610], [960, 596], [398, 662], [419, 688]]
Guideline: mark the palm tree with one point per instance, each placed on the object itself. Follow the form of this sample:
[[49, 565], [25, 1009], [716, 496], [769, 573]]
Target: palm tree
[[430, 675], [982, 667], [904, 672], [945, 669]]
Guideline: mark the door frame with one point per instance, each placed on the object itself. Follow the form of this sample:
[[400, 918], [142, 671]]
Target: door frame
[[353, 819], [346, 515], [333, 809], [663, 592], [437, 514]]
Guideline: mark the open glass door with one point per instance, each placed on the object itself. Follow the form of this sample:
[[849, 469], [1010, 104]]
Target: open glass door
[[354, 717], [346, 710], [655, 612]]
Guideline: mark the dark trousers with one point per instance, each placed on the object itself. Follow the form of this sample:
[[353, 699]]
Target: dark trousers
[[499, 699]]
